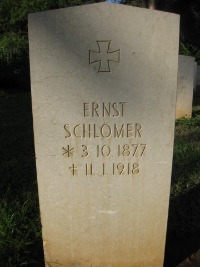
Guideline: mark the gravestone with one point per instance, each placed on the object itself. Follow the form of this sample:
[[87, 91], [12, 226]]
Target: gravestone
[[185, 87], [103, 95]]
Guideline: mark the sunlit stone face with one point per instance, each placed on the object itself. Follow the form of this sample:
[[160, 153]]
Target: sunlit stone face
[[104, 81]]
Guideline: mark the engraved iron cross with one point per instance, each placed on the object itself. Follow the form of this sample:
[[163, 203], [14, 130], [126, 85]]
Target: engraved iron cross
[[104, 56]]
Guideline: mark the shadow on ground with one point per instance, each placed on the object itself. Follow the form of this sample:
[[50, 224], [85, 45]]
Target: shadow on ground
[[183, 235]]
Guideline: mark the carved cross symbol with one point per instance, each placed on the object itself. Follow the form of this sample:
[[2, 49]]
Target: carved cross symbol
[[74, 169], [104, 56]]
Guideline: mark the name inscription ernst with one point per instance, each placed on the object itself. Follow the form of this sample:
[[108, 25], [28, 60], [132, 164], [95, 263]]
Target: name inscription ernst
[[131, 150]]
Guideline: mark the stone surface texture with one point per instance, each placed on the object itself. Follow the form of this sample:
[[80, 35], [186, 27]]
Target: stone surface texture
[[185, 85], [104, 79]]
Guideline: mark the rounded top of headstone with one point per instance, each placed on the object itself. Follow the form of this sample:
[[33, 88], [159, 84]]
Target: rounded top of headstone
[[107, 6], [187, 58]]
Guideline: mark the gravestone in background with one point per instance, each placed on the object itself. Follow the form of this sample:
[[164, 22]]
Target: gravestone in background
[[104, 81], [185, 87]]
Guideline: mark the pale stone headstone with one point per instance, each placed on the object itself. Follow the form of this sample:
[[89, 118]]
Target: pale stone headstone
[[104, 79], [185, 87]]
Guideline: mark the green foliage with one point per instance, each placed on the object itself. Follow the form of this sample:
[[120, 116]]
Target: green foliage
[[137, 3], [185, 188], [186, 162], [70, 3], [13, 14], [14, 62], [13, 42], [19, 230]]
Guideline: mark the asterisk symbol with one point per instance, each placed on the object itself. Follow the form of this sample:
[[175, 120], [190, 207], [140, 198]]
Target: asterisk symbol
[[68, 151]]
